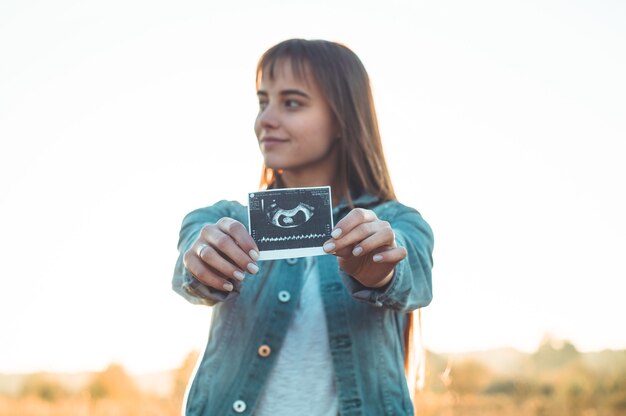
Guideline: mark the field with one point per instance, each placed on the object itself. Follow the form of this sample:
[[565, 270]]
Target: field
[[555, 380]]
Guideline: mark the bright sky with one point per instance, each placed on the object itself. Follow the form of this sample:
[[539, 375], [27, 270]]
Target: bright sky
[[504, 124]]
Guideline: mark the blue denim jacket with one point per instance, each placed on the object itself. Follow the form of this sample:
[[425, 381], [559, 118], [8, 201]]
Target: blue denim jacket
[[365, 325]]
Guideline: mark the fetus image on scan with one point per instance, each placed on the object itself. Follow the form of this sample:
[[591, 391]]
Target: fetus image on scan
[[288, 217]]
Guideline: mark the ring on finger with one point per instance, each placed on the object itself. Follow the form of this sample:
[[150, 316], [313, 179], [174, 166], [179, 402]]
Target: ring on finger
[[200, 249]]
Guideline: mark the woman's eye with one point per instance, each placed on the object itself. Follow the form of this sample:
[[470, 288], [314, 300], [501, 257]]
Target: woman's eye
[[292, 104], [262, 105]]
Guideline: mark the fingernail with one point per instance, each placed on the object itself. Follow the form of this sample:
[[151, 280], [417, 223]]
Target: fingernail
[[238, 275], [329, 247], [357, 250], [253, 268], [377, 258], [254, 255], [336, 233], [228, 286]]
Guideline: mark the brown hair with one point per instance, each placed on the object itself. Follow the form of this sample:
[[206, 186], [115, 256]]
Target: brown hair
[[343, 80]]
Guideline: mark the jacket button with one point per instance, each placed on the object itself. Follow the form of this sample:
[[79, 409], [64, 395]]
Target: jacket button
[[239, 406], [284, 296], [292, 261], [264, 351]]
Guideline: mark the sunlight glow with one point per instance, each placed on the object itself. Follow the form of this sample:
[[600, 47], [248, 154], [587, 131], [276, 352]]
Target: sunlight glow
[[503, 124]]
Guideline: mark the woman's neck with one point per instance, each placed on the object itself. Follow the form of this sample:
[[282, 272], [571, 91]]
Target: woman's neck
[[294, 180]]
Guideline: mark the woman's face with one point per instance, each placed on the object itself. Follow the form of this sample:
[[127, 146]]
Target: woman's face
[[295, 127]]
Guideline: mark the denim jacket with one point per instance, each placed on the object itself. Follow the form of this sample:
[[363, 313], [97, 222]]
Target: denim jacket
[[365, 325]]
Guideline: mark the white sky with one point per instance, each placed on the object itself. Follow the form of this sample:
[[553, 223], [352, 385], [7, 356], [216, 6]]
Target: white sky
[[503, 121]]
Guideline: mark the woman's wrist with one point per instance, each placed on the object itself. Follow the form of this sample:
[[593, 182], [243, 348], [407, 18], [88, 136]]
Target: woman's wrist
[[385, 281]]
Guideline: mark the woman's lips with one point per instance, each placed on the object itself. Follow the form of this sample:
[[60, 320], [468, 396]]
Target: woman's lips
[[268, 142]]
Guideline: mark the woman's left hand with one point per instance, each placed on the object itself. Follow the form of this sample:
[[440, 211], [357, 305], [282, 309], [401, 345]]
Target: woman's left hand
[[366, 247]]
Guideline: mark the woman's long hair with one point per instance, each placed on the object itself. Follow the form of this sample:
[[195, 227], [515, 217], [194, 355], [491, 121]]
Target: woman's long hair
[[361, 167]]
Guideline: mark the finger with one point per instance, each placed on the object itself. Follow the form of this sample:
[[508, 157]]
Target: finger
[[204, 274], [346, 252], [226, 246], [215, 260], [382, 229], [353, 219], [355, 236], [393, 255], [241, 236], [382, 238]]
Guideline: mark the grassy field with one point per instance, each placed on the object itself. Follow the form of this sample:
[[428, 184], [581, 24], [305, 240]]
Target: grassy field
[[427, 404], [555, 380]]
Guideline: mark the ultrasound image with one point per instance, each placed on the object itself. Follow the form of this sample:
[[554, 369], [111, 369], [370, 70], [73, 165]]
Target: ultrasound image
[[290, 218]]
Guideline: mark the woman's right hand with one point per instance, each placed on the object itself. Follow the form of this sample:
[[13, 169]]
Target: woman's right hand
[[222, 251]]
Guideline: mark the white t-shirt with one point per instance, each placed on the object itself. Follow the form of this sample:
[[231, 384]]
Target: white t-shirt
[[302, 379]]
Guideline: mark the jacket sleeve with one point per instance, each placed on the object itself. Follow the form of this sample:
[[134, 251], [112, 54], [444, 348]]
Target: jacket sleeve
[[183, 282], [411, 285]]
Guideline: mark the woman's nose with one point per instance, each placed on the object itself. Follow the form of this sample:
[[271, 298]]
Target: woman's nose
[[268, 118]]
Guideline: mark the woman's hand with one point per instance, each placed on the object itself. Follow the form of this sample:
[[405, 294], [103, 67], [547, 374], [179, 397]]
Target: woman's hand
[[222, 251], [366, 247]]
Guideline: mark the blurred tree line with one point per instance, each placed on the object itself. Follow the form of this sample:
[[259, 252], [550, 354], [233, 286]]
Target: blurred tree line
[[554, 380], [111, 391]]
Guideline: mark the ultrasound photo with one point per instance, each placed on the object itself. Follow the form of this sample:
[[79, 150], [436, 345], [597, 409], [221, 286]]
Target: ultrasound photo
[[292, 222]]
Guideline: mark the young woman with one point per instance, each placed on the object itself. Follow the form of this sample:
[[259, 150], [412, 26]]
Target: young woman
[[320, 335]]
